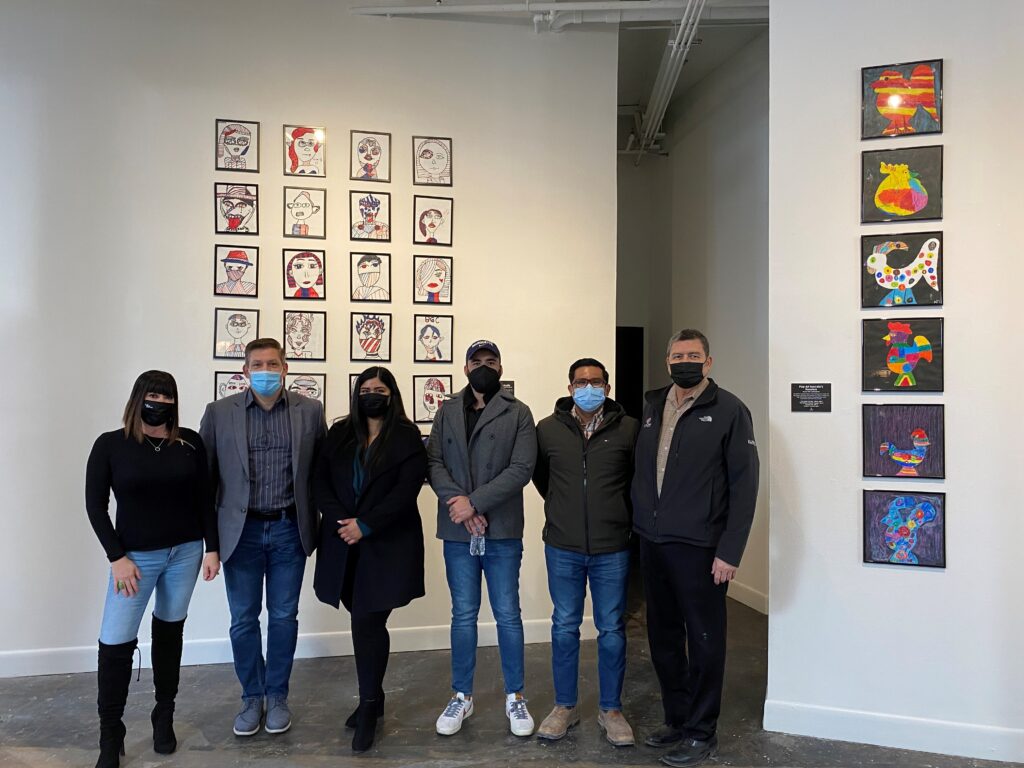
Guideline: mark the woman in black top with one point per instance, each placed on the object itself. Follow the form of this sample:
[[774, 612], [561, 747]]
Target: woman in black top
[[370, 555], [158, 473]]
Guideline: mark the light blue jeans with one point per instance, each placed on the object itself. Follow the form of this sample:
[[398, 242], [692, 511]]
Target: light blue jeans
[[171, 573]]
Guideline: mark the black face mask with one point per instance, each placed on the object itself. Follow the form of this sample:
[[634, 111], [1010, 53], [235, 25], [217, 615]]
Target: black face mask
[[687, 375], [155, 413], [485, 380], [373, 404]]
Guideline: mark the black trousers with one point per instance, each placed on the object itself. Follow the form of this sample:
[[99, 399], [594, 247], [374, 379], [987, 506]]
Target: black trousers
[[372, 645], [686, 631]]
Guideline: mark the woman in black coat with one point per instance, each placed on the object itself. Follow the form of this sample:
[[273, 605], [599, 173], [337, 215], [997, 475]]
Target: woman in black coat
[[370, 555]]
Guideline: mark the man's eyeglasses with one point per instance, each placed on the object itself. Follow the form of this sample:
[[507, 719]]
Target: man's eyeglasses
[[581, 383]]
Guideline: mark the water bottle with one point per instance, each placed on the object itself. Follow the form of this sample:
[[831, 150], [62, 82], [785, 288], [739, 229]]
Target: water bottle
[[477, 545]]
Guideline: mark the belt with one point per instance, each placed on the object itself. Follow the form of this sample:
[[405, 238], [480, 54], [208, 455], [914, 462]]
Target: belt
[[272, 514]]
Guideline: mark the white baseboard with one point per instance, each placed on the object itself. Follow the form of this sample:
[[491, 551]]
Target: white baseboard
[[749, 596], [61, 661], [899, 731]]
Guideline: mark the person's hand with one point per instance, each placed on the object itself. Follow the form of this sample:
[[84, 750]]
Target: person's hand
[[126, 577], [211, 566], [722, 571], [350, 532], [476, 525], [460, 509]]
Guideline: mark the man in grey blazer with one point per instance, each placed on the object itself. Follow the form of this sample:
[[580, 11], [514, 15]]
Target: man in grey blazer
[[481, 453], [261, 446]]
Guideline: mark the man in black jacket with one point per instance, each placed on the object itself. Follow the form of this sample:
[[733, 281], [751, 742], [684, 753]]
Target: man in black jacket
[[694, 493], [584, 465]]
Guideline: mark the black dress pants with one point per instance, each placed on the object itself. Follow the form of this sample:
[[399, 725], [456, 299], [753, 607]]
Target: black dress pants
[[686, 631], [372, 644]]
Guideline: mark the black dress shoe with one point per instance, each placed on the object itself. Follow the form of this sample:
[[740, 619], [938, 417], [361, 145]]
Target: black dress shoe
[[366, 725], [664, 736], [691, 752]]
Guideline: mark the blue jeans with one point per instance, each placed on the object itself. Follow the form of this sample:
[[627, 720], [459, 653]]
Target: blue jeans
[[500, 564], [272, 550], [171, 573], [608, 574]]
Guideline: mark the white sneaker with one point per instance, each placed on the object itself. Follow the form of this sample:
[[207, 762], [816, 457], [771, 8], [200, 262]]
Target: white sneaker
[[519, 719], [458, 709]]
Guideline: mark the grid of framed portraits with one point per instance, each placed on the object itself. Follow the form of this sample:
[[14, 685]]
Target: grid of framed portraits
[[432, 161], [901, 184], [305, 335], [304, 274], [236, 209], [905, 441], [311, 385], [305, 150], [433, 339], [304, 212], [370, 337], [370, 277], [228, 383], [370, 156], [232, 330], [428, 392], [432, 279], [902, 355], [901, 99], [238, 146], [236, 270], [902, 528], [901, 270], [432, 220], [370, 215]]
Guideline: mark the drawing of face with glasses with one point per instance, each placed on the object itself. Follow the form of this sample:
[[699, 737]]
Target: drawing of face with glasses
[[233, 145]]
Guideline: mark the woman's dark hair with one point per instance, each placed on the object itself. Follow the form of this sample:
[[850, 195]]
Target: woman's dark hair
[[355, 428], [150, 383]]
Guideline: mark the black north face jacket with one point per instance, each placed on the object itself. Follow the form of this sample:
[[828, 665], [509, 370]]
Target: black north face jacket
[[710, 487]]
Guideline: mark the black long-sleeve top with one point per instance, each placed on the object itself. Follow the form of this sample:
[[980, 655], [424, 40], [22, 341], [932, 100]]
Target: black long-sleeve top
[[164, 497]]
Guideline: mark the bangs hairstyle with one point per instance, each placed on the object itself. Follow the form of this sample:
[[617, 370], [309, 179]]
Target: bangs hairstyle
[[150, 383], [356, 428]]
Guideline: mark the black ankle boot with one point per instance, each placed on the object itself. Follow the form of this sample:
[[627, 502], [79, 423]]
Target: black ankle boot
[[354, 717], [366, 724], [166, 654], [113, 675]]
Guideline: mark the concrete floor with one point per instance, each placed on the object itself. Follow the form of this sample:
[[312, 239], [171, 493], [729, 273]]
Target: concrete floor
[[50, 721]]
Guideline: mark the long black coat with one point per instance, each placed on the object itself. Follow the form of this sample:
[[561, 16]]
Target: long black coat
[[388, 571]]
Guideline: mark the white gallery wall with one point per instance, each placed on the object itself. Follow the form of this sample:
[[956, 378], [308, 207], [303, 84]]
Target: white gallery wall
[[107, 211], [918, 658]]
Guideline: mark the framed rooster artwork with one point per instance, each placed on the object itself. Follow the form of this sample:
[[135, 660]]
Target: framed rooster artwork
[[905, 528], [902, 355], [901, 99], [901, 184], [904, 441]]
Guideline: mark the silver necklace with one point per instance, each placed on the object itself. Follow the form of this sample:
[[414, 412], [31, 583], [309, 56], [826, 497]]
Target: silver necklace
[[157, 446]]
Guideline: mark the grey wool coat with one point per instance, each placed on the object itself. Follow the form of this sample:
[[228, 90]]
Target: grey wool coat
[[491, 469]]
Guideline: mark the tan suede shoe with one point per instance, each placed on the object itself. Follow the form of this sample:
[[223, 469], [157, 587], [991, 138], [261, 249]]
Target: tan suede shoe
[[616, 729], [558, 723]]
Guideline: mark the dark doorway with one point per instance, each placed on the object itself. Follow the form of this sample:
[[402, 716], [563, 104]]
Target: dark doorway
[[629, 369]]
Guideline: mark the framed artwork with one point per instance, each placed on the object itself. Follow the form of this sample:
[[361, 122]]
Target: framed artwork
[[433, 338], [370, 156], [431, 161], [904, 441], [902, 270], [238, 146], [905, 528], [305, 335], [236, 209], [305, 274], [902, 355], [508, 386], [370, 277], [236, 270], [305, 212], [431, 279], [901, 184], [370, 216], [901, 99], [305, 150], [432, 220], [228, 383], [311, 385], [428, 392], [370, 337], [352, 379], [232, 330]]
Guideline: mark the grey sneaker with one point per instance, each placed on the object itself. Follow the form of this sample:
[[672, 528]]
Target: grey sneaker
[[279, 717], [247, 722]]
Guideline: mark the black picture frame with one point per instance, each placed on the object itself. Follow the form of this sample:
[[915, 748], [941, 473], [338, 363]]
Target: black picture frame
[[420, 173], [223, 191], [445, 233], [892, 433], [377, 293], [319, 194], [420, 410], [385, 155], [918, 283], [226, 346], [296, 382], [921, 529], [382, 230], [918, 365], [382, 353], [223, 254], [907, 166], [223, 386], [319, 153], [220, 153], [420, 292], [910, 85], [290, 287], [316, 317], [445, 327]]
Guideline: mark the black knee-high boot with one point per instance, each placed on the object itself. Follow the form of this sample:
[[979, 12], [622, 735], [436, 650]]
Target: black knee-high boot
[[113, 675], [166, 654]]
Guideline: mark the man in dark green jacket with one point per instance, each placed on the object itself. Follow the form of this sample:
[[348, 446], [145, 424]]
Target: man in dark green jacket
[[583, 471]]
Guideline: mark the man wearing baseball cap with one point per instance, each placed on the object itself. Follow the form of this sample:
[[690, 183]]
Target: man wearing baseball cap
[[481, 454]]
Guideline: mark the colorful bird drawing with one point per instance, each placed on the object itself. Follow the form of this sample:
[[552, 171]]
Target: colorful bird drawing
[[904, 354], [904, 517], [908, 459], [901, 192], [901, 280], [898, 98]]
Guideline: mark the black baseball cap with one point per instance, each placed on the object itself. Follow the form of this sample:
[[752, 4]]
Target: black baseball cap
[[476, 346]]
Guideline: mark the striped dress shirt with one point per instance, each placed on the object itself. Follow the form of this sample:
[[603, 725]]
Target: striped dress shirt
[[270, 455]]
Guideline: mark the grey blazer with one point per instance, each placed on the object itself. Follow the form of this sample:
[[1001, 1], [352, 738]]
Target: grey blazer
[[491, 469], [227, 448]]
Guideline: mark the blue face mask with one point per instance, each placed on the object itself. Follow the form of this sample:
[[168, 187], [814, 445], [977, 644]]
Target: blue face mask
[[588, 398], [265, 383]]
